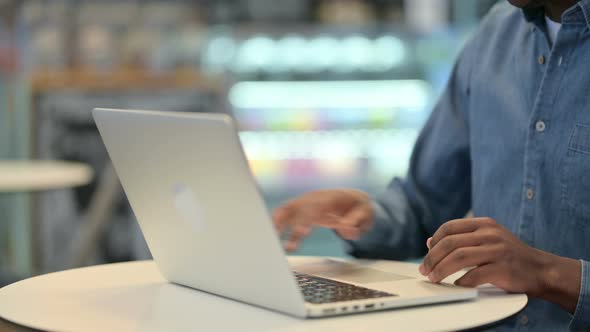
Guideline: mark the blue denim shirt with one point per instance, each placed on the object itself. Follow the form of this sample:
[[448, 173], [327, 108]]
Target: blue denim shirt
[[509, 139]]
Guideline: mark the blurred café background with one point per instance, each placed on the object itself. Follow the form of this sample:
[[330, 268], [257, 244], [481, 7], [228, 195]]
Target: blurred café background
[[327, 93]]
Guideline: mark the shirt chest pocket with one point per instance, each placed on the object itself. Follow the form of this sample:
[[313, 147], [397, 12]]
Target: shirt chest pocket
[[576, 176]]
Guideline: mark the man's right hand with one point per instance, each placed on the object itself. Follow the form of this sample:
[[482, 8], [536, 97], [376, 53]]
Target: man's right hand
[[348, 212]]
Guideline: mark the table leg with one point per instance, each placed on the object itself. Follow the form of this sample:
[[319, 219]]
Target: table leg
[[100, 212], [15, 237], [5, 223]]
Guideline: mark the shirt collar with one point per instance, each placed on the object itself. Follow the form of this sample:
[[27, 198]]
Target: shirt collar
[[585, 8], [579, 13]]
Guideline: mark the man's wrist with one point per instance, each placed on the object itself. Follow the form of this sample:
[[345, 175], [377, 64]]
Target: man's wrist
[[560, 281]]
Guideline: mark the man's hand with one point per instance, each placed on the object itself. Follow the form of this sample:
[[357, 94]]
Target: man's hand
[[348, 212], [500, 258]]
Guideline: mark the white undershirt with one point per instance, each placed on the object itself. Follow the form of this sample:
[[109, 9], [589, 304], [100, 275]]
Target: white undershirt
[[553, 28]]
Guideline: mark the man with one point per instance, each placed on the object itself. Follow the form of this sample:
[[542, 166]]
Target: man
[[510, 141]]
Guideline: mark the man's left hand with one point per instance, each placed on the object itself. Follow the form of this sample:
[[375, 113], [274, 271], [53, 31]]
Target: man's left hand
[[497, 257]]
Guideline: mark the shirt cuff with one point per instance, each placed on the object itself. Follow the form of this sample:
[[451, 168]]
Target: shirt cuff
[[581, 318]]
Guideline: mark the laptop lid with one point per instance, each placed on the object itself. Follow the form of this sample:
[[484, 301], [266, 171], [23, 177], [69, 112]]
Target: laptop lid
[[198, 206]]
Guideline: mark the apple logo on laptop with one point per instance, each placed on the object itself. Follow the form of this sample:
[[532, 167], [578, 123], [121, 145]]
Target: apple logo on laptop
[[188, 207]]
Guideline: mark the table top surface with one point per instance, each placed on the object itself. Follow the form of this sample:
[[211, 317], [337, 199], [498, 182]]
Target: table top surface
[[135, 297], [32, 175]]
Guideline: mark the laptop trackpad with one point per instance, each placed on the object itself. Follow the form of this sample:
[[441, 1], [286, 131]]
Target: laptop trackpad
[[348, 272]]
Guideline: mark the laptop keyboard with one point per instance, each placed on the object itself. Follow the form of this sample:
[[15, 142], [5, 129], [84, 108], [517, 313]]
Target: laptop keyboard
[[319, 290]]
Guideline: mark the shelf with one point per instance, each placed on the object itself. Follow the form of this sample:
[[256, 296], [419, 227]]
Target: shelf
[[301, 161], [322, 145], [127, 78]]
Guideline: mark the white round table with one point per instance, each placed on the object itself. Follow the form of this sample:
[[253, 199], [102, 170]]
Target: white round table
[[24, 176], [27, 176], [135, 297]]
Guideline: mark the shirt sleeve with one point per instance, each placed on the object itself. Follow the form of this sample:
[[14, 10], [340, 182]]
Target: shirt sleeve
[[581, 318], [438, 185]]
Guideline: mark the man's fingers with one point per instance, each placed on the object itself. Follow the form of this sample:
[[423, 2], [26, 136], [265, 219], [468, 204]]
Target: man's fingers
[[282, 215], [446, 246], [478, 276], [347, 212], [452, 227], [298, 232], [458, 226], [462, 258], [288, 221], [356, 216], [348, 233], [327, 220], [354, 223]]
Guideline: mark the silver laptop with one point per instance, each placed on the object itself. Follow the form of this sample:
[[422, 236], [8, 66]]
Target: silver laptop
[[207, 227]]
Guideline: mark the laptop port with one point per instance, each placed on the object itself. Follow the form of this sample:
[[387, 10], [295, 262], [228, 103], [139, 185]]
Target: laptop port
[[329, 311], [369, 306], [356, 307], [344, 309]]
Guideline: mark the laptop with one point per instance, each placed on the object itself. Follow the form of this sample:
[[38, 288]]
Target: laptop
[[199, 208]]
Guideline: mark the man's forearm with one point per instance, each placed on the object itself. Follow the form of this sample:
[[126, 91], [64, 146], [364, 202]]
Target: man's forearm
[[561, 279]]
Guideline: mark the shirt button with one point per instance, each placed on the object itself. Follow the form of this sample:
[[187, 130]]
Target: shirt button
[[524, 320], [530, 194], [540, 126], [541, 59]]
